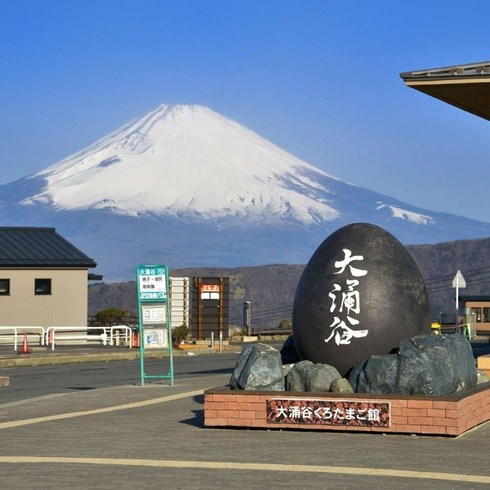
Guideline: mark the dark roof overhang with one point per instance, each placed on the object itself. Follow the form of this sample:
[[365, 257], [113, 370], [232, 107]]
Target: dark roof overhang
[[464, 86], [38, 247]]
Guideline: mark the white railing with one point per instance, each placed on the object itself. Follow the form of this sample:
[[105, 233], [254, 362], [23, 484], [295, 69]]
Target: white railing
[[80, 333], [50, 335], [83, 335], [9, 336], [115, 335], [21, 330]]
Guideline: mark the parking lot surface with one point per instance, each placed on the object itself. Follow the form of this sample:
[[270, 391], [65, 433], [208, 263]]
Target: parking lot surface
[[153, 436]]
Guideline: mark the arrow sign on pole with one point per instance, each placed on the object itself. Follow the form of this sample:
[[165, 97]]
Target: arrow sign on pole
[[458, 282]]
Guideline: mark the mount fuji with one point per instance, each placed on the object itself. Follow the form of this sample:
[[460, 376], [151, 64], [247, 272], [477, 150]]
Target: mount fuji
[[187, 187]]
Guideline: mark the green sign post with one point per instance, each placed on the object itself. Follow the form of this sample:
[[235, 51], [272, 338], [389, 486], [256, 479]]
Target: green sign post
[[155, 331]]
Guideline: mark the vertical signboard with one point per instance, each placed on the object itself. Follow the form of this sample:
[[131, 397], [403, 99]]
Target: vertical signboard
[[155, 331], [210, 306]]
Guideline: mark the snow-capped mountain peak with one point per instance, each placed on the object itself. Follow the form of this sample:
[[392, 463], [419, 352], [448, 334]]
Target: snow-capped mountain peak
[[188, 159], [186, 186]]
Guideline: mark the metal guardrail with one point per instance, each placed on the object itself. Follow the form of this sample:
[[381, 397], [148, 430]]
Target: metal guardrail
[[15, 333], [115, 334], [83, 335], [47, 335], [21, 330], [108, 336]]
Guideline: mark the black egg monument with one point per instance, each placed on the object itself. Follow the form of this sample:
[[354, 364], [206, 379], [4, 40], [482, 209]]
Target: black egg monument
[[360, 294]]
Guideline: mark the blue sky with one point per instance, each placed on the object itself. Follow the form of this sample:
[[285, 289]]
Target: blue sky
[[318, 78]]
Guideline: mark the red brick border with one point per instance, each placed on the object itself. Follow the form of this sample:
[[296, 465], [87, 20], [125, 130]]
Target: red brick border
[[450, 415]]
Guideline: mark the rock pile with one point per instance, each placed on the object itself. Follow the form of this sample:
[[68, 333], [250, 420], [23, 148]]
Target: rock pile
[[424, 365], [260, 367], [435, 365]]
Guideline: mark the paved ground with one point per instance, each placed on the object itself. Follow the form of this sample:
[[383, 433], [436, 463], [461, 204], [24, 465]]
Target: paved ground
[[154, 437]]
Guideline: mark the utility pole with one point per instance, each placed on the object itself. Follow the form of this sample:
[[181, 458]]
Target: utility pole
[[247, 317]]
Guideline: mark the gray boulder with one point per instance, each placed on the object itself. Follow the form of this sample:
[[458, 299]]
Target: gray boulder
[[307, 376], [463, 361], [424, 365], [425, 368], [297, 377], [376, 375], [341, 386], [258, 367]]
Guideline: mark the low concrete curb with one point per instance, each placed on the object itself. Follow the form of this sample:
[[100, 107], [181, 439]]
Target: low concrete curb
[[45, 358]]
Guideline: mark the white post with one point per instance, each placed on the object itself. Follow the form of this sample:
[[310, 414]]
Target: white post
[[457, 293], [458, 282]]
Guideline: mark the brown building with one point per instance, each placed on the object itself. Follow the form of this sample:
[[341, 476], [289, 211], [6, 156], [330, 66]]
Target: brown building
[[479, 306], [43, 279]]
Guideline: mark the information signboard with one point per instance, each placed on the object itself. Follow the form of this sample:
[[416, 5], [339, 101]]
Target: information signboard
[[155, 338], [152, 283], [154, 315]]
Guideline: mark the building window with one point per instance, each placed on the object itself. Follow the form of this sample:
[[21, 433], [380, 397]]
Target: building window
[[4, 287], [486, 315], [42, 286], [477, 312]]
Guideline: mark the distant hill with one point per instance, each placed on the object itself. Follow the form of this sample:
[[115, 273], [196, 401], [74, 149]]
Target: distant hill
[[271, 288], [439, 264]]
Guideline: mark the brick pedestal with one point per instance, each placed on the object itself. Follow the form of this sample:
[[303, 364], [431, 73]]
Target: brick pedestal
[[450, 415]]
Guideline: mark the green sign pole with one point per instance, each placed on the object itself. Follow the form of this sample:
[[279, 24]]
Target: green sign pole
[[155, 331]]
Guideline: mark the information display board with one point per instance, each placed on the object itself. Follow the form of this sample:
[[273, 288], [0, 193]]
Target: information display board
[[155, 338], [154, 316]]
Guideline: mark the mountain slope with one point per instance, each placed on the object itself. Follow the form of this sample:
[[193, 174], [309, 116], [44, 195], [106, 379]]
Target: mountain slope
[[188, 187], [186, 159]]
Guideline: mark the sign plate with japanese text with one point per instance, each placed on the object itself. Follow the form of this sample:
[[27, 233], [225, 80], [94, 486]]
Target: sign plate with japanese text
[[328, 412], [152, 283], [154, 314]]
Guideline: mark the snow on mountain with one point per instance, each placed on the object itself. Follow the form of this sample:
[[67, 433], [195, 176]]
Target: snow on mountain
[[420, 219], [187, 159], [188, 187]]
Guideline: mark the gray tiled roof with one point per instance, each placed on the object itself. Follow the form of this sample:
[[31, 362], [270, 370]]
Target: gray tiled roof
[[39, 247]]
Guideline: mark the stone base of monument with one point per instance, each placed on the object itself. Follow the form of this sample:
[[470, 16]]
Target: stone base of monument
[[450, 415]]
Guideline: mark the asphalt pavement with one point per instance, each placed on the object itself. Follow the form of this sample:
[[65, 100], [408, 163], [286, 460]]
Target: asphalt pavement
[[153, 436]]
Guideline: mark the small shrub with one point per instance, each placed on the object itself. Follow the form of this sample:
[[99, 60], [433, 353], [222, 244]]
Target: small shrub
[[179, 334], [112, 316]]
